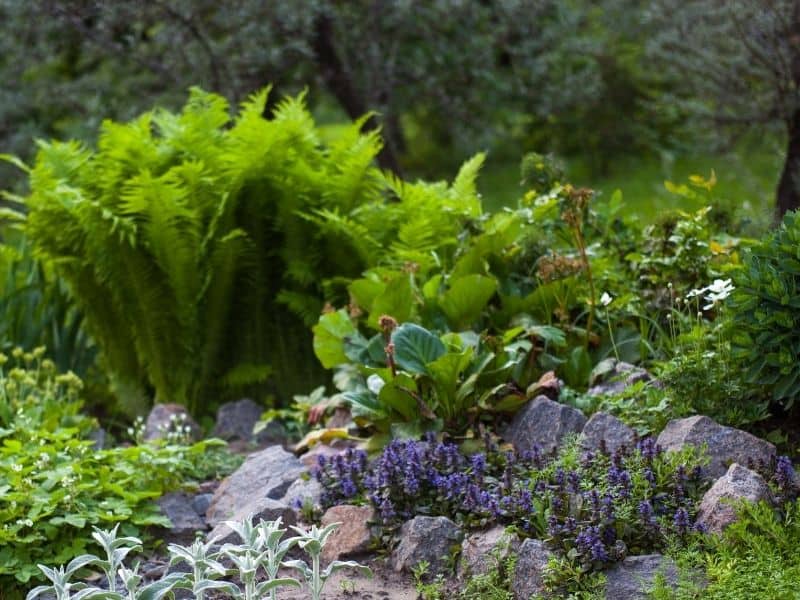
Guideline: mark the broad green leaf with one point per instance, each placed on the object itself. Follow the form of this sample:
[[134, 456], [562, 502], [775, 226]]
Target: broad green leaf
[[397, 301], [397, 395], [415, 347], [330, 334], [466, 298]]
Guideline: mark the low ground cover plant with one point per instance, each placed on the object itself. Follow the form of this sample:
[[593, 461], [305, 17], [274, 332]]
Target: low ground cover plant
[[56, 484], [594, 507], [252, 573]]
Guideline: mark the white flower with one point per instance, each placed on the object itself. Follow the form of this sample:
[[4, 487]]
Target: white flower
[[606, 299], [695, 293], [375, 383], [717, 292]]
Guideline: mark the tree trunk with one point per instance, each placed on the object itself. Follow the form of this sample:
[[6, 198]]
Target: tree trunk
[[788, 194], [339, 83]]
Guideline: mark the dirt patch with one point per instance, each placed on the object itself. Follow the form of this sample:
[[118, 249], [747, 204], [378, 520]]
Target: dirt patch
[[350, 585]]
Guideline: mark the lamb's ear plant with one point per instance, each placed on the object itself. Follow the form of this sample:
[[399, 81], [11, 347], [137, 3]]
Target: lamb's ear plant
[[116, 550], [274, 548], [312, 541], [61, 586], [202, 560], [156, 590], [254, 553]]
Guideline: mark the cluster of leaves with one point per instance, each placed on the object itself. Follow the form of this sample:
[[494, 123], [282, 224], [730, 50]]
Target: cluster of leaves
[[766, 328], [55, 483], [755, 556], [592, 507], [255, 561], [412, 380]]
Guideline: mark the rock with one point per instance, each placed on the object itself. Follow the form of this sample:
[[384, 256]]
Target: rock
[[548, 385], [544, 423], [717, 508], [264, 508], [302, 492], [340, 418], [481, 550], [353, 536], [235, 420], [428, 539], [611, 376], [532, 558], [100, 438], [633, 578], [166, 418], [603, 427], [201, 502], [177, 507], [271, 434], [309, 459], [266, 474], [726, 445]]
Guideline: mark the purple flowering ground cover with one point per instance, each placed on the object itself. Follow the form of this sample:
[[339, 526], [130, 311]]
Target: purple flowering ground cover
[[592, 507]]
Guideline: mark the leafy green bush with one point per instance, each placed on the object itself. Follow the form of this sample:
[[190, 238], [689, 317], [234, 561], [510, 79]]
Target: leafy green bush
[[53, 481], [188, 240], [766, 312], [413, 380]]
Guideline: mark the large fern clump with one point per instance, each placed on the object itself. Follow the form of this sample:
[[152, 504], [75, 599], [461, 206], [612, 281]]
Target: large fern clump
[[189, 243]]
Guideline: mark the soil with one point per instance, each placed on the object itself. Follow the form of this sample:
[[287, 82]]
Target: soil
[[385, 584]]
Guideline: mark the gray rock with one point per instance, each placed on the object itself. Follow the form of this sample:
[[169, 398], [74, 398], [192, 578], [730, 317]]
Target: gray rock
[[725, 445], [429, 539], [201, 502], [481, 551], [532, 559], [309, 459], [264, 508], [603, 427], [302, 492], [633, 578], [611, 376], [177, 507], [100, 438], [265, 474], [544, 423], [165, 418], [235, 420], [718, 506], [353, 536]]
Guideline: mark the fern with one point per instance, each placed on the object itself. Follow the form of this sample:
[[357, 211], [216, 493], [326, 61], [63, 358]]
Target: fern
[[200, 244]]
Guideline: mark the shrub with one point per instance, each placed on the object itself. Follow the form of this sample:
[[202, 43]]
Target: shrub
[[766, 312], [183, 241]]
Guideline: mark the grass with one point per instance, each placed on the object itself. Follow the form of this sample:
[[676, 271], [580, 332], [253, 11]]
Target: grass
[[748, 175]]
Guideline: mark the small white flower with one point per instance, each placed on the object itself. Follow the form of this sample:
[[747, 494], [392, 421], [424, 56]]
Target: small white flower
[[375, 383], [695, 293], [17, 468], [606, 299], [717, 292]]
